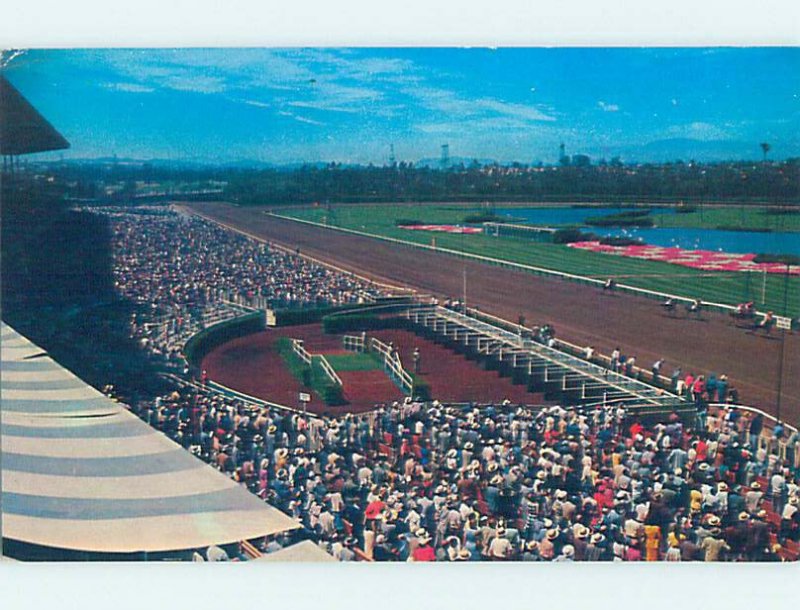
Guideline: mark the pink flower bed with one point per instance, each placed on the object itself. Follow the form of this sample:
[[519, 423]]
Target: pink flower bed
[[443, 228], [707, 260]]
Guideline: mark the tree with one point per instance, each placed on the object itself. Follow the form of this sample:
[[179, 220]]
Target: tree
[[765, 148]]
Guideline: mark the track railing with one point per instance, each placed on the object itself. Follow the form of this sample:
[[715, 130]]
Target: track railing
[[786, 449], [299, 349], [212, 387], [653, 294]]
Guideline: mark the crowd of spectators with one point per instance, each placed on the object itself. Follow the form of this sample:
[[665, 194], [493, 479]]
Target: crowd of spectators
[[425, 481], [172, 259], [186, 271]]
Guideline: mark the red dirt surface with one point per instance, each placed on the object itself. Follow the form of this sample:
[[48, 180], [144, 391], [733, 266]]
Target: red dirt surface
[[252, 365], [451, 376], [581, 314], [364, 389]]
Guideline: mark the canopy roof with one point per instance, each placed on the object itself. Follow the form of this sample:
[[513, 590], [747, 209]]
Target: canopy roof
[[22, 129], [302, 552], [80, 472]]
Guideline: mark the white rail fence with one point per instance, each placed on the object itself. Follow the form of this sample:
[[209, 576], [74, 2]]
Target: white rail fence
[[326, 366], [640, 373], [518, 266], [302, 353], [786, 448], [354, 343], [391, 360], [299, 349]]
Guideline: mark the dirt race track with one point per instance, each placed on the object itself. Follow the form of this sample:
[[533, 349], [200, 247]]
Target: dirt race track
[[581, 314]]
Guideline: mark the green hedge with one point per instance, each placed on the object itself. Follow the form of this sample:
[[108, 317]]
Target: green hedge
[[571, 235], [198, 346], [296, 317], [785, 259], [334, 324], [633, 218], [421, 389], [480, 218]]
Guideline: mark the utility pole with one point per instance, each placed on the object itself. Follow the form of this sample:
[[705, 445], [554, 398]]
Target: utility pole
[[465, 286], [464, 268], [783, 341]]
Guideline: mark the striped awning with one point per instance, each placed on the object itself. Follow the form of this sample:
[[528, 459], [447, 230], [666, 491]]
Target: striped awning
[[80, 472], [302, 552]]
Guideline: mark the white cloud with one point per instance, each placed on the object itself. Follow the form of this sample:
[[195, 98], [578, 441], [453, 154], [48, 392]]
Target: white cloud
[[256, 103], [299, 118], [128, 87], [606, 107], [448, 102], [521, 111], [318, 80], [303, 119], [697, 131]]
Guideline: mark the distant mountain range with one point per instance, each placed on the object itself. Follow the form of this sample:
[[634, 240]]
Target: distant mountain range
[[705, 151]]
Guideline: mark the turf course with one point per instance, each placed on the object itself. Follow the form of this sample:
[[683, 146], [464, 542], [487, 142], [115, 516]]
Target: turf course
[[721, 287]]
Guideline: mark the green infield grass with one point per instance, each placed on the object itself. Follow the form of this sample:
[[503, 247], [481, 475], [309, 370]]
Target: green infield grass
[[353, 362]]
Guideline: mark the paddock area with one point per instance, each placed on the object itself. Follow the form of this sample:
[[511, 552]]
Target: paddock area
[[253, 366]]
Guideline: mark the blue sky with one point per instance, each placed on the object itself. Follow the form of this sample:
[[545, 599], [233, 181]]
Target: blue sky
[[348, 105]]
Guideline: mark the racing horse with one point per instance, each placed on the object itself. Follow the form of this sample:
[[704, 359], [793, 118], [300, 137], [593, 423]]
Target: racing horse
[[695, 308]]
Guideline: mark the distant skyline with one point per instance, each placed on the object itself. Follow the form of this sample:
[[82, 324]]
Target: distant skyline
[[349, 105]]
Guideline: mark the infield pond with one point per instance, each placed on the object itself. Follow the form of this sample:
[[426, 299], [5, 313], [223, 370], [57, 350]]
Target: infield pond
[[689, 238]]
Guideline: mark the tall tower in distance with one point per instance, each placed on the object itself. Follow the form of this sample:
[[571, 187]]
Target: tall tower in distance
[[444, 161], [392, 160], [563, 159]]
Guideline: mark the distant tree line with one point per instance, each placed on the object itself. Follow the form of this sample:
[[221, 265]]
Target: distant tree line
[[613, 182], [767, 182]]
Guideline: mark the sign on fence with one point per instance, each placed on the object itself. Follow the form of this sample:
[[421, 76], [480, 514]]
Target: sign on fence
[[782, 322]]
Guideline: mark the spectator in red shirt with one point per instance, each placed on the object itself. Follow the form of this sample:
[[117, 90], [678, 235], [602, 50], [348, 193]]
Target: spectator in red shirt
[[424, 552]]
